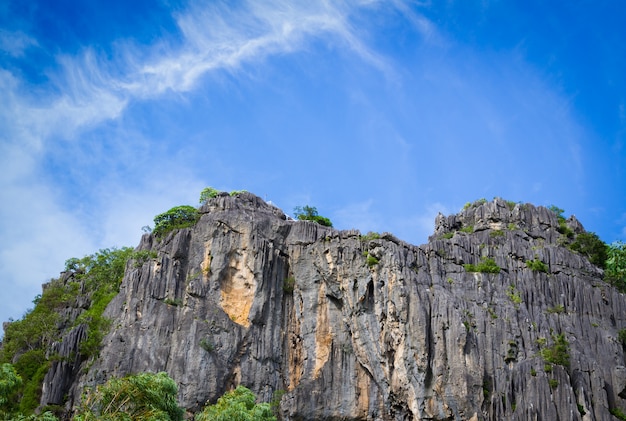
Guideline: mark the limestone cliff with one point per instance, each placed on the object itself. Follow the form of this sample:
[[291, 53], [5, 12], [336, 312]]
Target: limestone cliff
[[358, 327]]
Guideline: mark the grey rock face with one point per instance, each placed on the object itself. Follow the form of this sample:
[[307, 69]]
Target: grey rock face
[[358, 328]]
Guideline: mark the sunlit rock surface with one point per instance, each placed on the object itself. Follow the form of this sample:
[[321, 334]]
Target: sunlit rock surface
[[356, 327]]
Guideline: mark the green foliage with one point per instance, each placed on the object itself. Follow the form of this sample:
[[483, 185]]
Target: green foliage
[[102, 273], [142, 256], [103, 269], [28, 363], [621, 336], [237, 192], [511, 353], [589, 245], [511, 204], [371, 235], [138, 397], [475, 204], [487, 386], [176, 218], [31, 394], [557, 211], [288, 284], [35, 331], [618, 413], [237, 405], [563, 228], [45, 416], [537, 265], [554, 383], [616, 265], [10, 381], [468, 229], [557, 309], [97, 325], [206, 345], [487, 265], [496, 233], [514, 295], [558, 353], [371, 260], [275, 403], [176, 302], [208, 193], [309, 213], [27, 341], [448, 235]]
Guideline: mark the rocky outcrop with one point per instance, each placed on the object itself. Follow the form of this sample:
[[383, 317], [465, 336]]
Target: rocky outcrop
[[356, 327]]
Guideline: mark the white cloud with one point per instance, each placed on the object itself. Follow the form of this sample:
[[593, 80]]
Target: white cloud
[[216, 37], [38, 236], [126, 210], [39, 229], [357, 215], [15, 43], [87, 89]]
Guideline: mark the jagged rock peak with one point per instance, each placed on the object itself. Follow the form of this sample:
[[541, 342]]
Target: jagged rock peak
[[241, 201], [500, 214]]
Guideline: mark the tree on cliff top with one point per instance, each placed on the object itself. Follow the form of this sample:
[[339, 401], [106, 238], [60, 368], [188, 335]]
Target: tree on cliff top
[[309, 213], [208, 193], [175, 218]]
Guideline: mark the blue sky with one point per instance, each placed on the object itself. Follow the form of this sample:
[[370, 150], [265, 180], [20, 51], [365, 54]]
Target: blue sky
[[379, 113]]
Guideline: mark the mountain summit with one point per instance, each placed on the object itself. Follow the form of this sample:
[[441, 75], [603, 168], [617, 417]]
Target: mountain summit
[[494, 318]]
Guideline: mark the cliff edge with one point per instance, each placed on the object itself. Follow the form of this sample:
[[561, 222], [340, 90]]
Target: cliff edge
[[493, 319]]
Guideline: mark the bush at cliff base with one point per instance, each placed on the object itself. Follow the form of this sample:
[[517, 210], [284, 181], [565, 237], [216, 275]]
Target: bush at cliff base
[[237, 405], [139, 397]]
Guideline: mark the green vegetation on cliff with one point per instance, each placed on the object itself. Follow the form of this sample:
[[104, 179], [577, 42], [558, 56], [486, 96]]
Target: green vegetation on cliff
[[138, 397], [239, 404], [9, 382], [149, 396], [77, 300], [616, 265], [309, 213], [27, 342], [486, 265], [176, 218]]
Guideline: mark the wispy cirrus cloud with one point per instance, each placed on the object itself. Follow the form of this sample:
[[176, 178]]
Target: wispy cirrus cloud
[[88, 89], [84, 91], [15, 43], [216, 37]]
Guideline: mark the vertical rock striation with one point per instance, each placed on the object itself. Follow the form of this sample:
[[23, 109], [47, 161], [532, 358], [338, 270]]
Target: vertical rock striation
[[356, 327]]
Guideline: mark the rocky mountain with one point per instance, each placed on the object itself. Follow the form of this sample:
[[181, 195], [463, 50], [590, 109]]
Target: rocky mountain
[[493, 319]]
